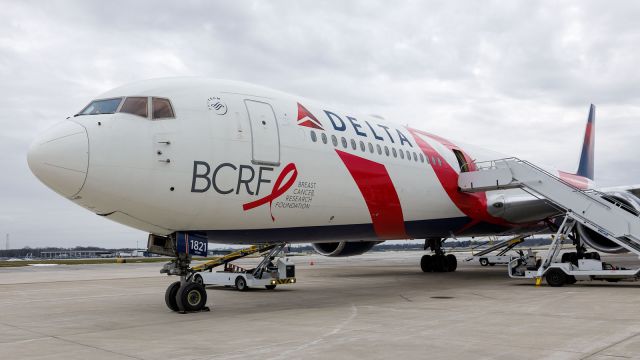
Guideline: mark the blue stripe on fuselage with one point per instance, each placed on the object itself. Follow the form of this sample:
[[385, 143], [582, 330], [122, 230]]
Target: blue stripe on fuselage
[[418, 229]]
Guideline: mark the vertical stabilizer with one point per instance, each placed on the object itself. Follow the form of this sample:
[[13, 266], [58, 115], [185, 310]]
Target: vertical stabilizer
[[585, 168]]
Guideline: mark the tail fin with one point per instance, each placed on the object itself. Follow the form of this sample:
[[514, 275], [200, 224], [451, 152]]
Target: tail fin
[[585, 168]]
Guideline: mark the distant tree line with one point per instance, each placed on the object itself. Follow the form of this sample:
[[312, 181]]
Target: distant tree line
[[36, 252]]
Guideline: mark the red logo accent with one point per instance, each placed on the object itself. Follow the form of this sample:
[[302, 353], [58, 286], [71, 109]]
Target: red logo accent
[[278, 189], [305, 118]]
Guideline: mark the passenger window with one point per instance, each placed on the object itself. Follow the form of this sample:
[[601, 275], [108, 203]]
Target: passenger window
[[433, 160], [415, 157], [334, 140], [314, 137], [353, 144], [408, 155], [135, 106], [379, 149], [386, 150], [162, 108], [324, 138], [344, 142], [439, 162], [427, 158], [395, 154], [421, 158], [401, 154], [362, 148], [371, 148]]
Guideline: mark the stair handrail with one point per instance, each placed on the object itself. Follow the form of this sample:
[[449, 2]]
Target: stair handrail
[[599, 195]]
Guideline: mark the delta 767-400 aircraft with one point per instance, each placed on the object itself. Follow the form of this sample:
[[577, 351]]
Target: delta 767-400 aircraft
[[197, 160]]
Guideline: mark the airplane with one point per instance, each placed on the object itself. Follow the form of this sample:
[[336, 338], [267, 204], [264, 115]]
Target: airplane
[[198, 160]]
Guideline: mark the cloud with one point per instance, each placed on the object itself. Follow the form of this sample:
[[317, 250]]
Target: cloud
[[516, 76]]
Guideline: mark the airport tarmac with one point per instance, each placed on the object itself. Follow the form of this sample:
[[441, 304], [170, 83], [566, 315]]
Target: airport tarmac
[[374, 306]]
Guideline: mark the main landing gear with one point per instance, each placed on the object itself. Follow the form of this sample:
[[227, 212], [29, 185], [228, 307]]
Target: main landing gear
[[438, 262]]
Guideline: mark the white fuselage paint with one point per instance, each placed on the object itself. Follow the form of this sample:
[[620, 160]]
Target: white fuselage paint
[[141, 171]]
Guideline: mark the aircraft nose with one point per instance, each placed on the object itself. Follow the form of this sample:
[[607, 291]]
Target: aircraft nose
[[59, 157]]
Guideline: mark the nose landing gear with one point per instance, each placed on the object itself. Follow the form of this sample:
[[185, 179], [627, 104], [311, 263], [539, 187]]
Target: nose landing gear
[[186, 295], [189, 294], [438, 262]]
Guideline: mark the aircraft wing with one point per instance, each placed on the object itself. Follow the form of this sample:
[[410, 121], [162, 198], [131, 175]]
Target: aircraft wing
[[633, 189]]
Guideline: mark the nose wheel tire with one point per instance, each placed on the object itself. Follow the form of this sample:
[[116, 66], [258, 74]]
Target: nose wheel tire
[[191, 297], [170, 296], [484, 262]]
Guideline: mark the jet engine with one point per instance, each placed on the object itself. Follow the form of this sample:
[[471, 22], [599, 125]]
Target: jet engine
[[599, 242], [344, 248]]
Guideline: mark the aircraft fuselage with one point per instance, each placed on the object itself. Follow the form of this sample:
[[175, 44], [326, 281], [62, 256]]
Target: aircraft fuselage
[[248, 164]]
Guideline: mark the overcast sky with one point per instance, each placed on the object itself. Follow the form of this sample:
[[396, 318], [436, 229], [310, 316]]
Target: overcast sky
[[513, 76]]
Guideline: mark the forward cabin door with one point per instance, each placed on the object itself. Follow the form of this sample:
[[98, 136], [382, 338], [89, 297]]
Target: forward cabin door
[[265, 137]]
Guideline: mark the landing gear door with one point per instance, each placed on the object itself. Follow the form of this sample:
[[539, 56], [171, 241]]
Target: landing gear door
[[265, 137]]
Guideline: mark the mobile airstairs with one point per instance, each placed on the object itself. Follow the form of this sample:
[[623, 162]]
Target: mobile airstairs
[[595, 210]]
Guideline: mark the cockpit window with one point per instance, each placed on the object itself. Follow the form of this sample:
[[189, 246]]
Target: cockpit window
[[105, 106], [162, 108], [136, 106]]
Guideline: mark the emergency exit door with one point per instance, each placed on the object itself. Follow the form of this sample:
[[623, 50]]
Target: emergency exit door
[[265, 138]]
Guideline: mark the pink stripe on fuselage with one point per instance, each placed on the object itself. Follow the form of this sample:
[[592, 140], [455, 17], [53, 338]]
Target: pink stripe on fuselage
[[472, 205], [379, 194]]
